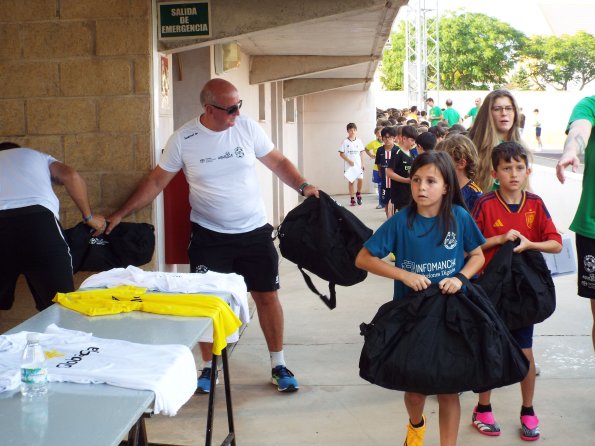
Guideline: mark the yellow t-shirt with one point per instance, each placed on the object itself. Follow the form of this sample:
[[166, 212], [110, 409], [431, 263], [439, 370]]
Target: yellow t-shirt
[[127, 298], [374, 146]]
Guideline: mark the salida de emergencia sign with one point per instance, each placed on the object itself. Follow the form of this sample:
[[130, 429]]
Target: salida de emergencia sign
[[184, 20]]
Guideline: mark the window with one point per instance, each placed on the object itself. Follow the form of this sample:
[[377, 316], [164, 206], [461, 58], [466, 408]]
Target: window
[[290, 110]]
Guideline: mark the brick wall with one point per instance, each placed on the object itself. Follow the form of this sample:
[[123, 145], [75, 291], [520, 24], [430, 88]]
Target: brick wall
[[75, 82]]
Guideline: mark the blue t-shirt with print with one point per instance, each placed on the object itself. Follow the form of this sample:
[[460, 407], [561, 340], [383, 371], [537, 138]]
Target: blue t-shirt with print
[[419, 249]]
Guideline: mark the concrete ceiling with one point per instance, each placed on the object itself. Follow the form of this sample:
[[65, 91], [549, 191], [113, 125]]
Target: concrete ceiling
[[313, 45]]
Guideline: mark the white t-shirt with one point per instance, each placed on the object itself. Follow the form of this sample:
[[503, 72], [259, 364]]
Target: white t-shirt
[[352, 149], [25, 180], [208, 282], [79, 357], [221, 171]]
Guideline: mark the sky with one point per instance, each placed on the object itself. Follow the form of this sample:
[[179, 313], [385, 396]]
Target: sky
[[543, 17]]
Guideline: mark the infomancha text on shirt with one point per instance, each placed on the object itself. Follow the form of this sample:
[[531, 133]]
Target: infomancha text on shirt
[[431, 269]]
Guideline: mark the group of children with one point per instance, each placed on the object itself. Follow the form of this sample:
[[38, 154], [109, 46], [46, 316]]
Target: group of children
[[446, 220]]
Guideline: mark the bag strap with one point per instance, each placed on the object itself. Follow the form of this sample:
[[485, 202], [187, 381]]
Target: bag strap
[[330, 302]]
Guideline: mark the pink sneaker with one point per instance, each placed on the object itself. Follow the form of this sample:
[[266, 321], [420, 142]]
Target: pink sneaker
[[529, 428], [485, 423]]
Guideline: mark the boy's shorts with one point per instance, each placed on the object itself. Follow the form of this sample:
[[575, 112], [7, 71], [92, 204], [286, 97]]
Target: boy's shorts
[[384, 198], [537, 131], [376, 179], [523, 336], [252, 255], [585, 252]]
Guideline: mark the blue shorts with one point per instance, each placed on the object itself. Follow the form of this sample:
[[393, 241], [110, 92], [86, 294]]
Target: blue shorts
[[376, 177], [537, 131], [523, 336]]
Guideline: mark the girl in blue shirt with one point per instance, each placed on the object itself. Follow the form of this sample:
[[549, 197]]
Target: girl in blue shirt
[[433, 239]]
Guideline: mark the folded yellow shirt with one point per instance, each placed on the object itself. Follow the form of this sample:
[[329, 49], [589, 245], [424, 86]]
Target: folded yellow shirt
[[126, 298]]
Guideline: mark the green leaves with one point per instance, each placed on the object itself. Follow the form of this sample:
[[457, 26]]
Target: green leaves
[[481, 52], [561, 62]]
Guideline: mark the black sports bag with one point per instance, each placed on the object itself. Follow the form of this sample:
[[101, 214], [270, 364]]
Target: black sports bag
[[434, 343], [520, 286], [127, 244], [323, 237]]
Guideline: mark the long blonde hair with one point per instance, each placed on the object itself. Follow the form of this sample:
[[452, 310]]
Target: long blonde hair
[[485, 136]]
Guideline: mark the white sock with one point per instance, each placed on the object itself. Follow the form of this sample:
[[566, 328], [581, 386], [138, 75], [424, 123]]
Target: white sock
[[277, 358], [206, 365]]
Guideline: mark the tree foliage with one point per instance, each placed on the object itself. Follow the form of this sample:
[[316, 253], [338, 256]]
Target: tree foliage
[[561, 61], [393, 74], [476, 51]]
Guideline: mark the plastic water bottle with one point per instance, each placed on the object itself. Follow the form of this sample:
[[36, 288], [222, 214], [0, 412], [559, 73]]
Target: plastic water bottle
[[34, 370]]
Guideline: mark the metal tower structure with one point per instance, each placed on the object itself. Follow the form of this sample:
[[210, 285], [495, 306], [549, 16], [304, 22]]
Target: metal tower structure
[[422, 51]]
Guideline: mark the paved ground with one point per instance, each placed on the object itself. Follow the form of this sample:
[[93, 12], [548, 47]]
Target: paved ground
[[336, 407]]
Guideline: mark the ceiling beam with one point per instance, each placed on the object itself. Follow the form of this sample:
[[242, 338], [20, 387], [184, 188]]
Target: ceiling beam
[[276, 68], [231, 19], [300, 87]]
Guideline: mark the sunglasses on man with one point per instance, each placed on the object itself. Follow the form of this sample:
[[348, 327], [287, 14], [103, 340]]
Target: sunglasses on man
[[229, 110]]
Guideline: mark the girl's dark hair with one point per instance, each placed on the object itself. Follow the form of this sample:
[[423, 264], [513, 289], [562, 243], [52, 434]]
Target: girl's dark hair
[[445, 165]]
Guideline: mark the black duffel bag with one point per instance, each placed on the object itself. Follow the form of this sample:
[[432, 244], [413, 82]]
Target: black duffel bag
[[434, 343], [127, 244], [323, 237], [520, 286]]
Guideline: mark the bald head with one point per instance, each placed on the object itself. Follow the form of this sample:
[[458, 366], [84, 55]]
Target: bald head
[[216, 91]]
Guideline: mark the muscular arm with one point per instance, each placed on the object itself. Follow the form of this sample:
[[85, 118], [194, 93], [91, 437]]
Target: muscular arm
[[77, 189], [287, 172], [145, 193], [576, 142]]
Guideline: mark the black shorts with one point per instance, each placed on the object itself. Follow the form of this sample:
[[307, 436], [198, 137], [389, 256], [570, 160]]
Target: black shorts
[[523, 336], [32, 243], [585, 253], [252, 255]]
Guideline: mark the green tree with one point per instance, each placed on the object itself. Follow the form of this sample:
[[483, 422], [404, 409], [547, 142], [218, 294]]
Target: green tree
[[520, 80], [476, 52], [392, 74], [561, 62]]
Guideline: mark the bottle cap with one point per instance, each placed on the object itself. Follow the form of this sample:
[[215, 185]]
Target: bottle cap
[[32, 337]]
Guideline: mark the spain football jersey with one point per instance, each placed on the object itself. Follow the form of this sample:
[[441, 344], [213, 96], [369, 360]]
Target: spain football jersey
[[531, 218]]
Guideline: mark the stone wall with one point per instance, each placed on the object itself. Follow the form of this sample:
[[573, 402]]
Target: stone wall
[[76, 83]]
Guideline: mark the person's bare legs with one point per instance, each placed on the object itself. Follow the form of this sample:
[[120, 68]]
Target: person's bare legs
[[528, 383], [484, 398], [360, 185], [270, 315], [414, 403], [350, 186], [449, 417]]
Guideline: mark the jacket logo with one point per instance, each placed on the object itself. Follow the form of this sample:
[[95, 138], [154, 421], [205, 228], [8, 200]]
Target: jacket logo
[[450, 241], [498, 224], [530, 219]]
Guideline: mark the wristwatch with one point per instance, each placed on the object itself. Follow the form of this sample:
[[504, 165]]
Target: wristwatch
[[302, 187]]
